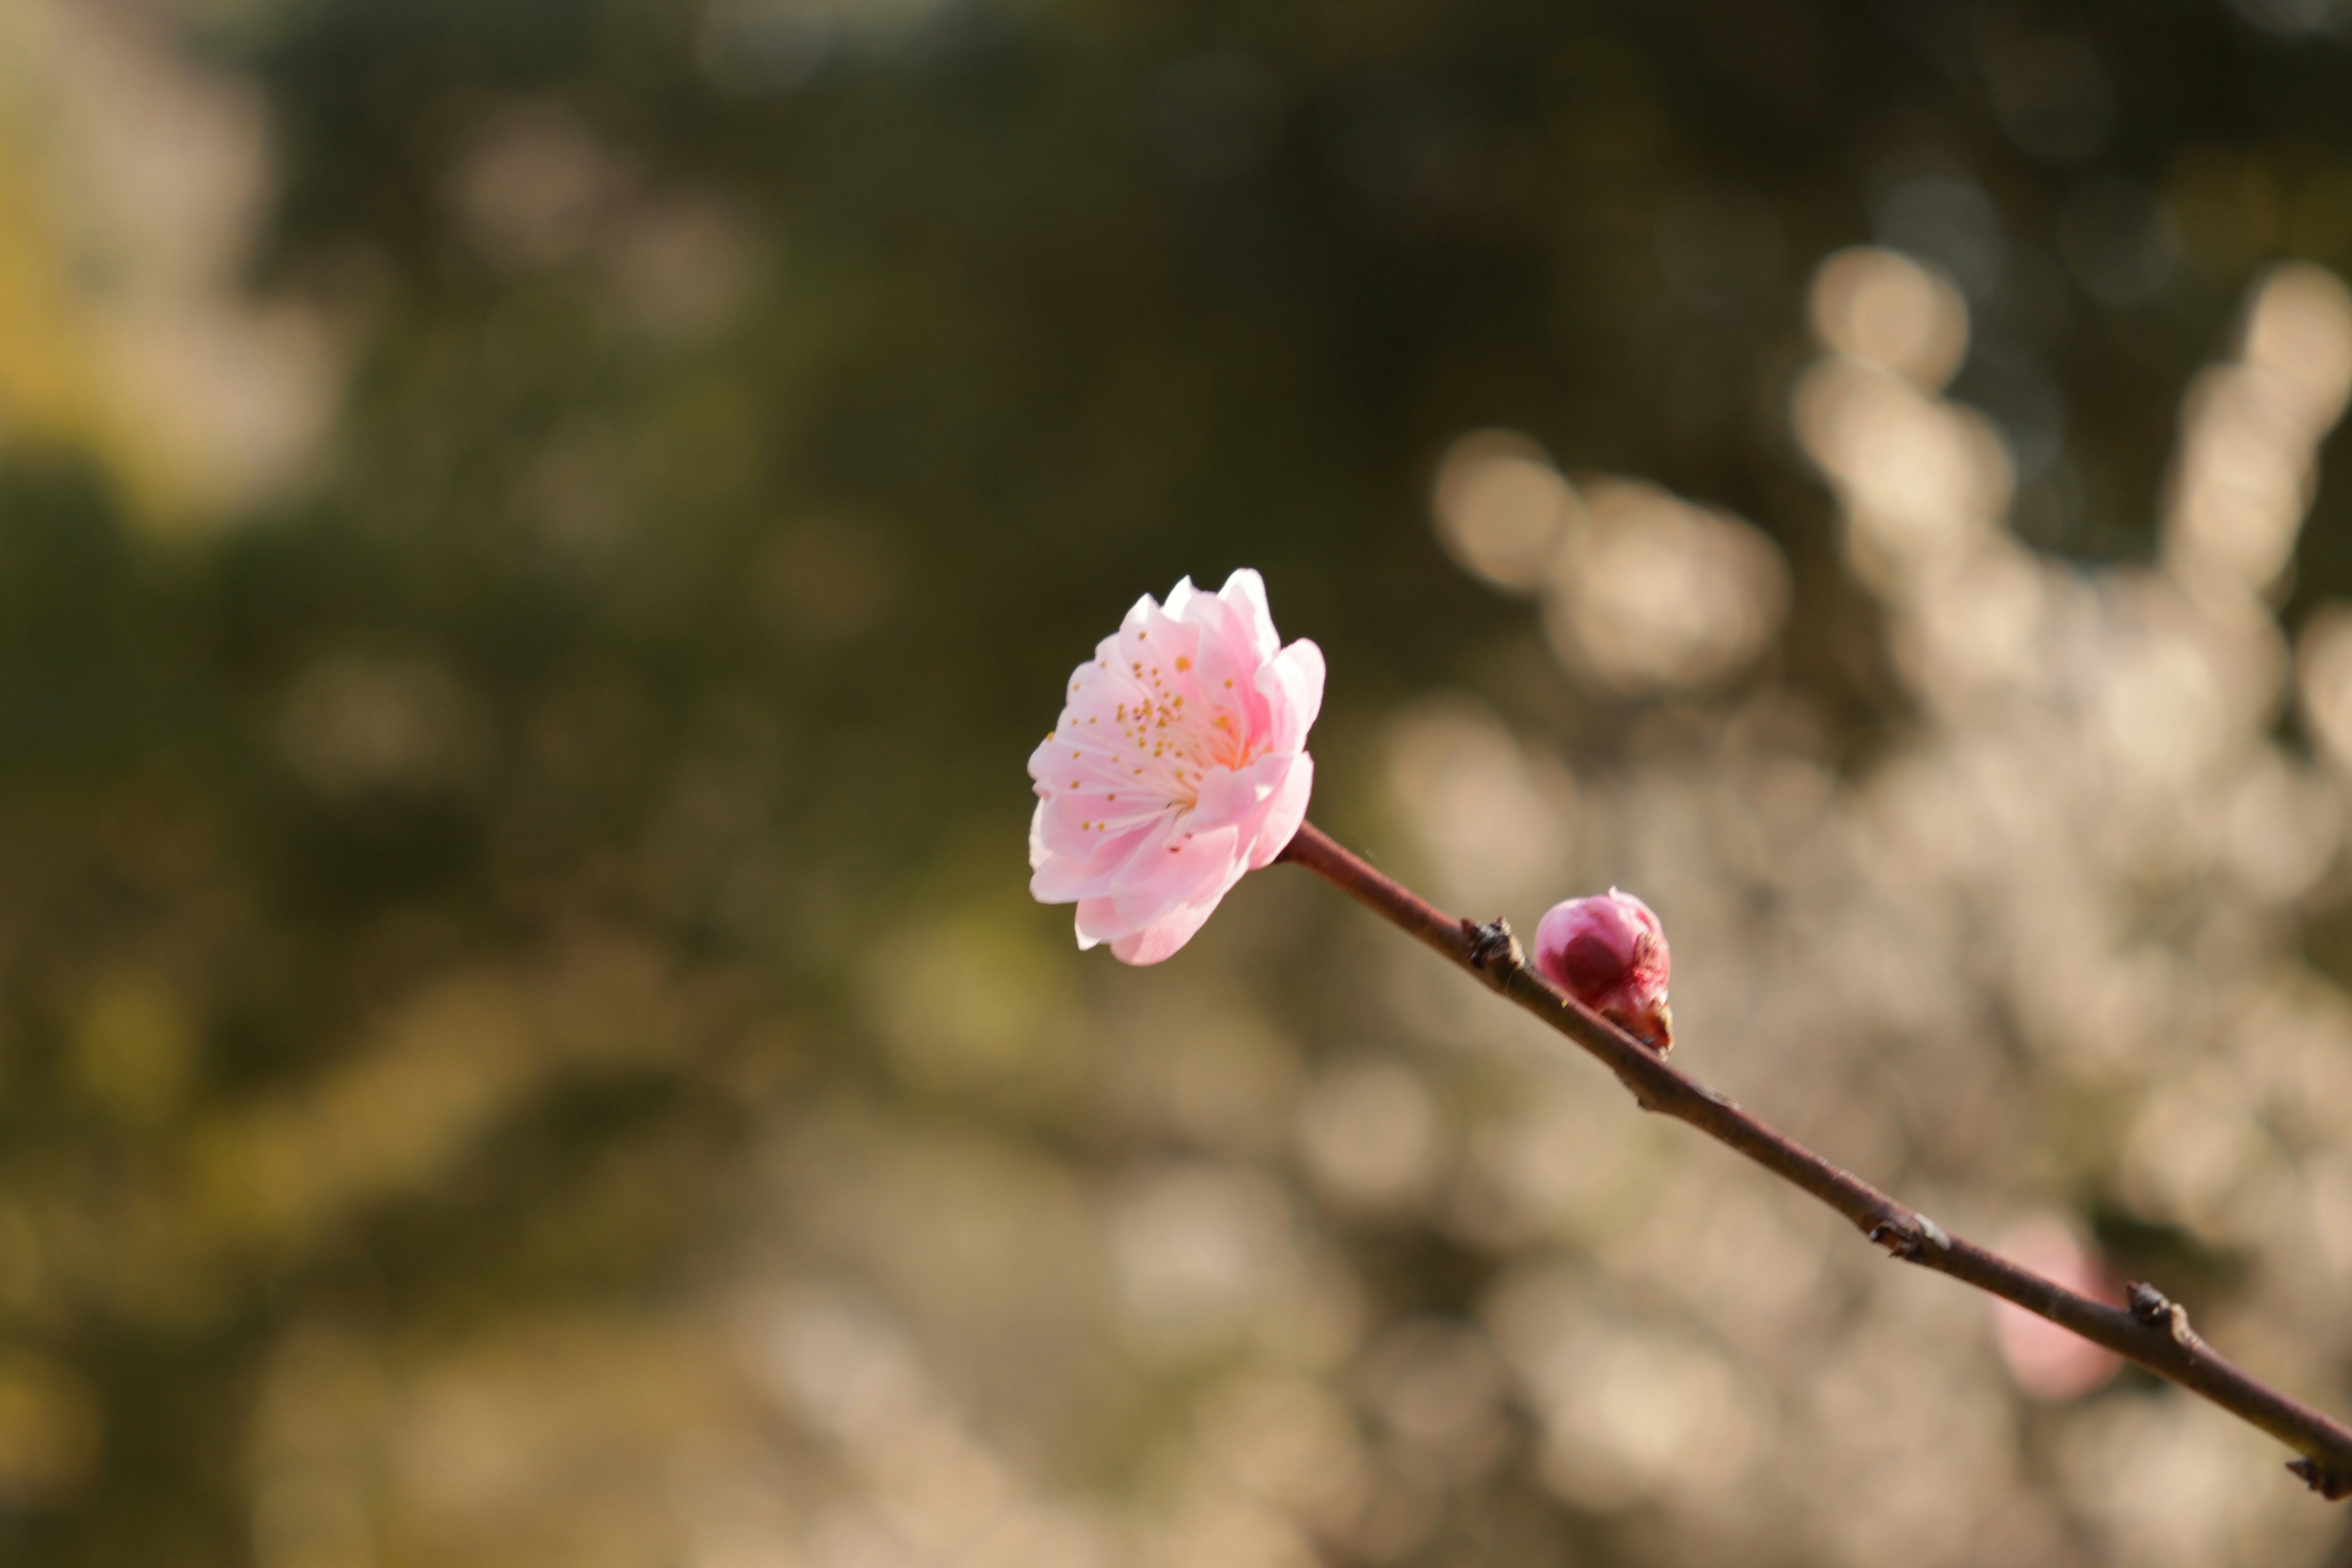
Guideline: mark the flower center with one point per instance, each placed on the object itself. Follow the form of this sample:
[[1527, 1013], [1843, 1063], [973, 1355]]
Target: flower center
[[1177, 747]]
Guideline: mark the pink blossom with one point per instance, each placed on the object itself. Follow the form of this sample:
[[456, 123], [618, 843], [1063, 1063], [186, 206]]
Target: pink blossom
[[2047, 1361], [1608, 951], [1180, 762]]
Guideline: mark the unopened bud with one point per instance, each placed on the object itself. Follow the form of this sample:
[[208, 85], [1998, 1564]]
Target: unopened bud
[[1610, 953]]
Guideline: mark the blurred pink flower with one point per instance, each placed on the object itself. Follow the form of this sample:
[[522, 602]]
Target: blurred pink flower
[[1179, 763], [1608, 951], [2047, 1361]]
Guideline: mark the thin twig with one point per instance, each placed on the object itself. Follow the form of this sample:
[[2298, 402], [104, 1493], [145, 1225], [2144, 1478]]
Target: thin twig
[[2151, 1331]]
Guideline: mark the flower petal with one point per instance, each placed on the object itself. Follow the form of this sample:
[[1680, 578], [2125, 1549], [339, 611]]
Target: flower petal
[[1293, 684], [1097, 923], [1237, 797], [1284, 813], [1183, 870], [1164, 935], [1090, 868], [1246, 591]]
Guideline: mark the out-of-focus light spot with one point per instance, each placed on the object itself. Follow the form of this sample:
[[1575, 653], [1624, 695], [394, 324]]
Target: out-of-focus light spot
[[2134, 1009], [1984, 626], [2163, 708], [135, 1049], [1371, 1135], [1194, 1248], [1553, 1164], [2238, 490], [1950, 222], [1228, 1532], [1887, 310], [1861, 1431], [940, 1489], [681, 264], [2296, 1036], [2250, 431], [1738, 1257], [1438, 1388], [1285, 1440], [1494, 818], [2047, 1361], [855, 1535], [2052, 97], [2199, 1156], [2171, 1481], [2299, 327], [2282, 827], [1401, 1517], [1924, 480], [531, 185], [2324, 1194], [1629, 1413], [354, 723], [133, 182], [1501, 508], [731, 1512], [1656, 592], [1642, 590], [838, 1360], [2324, 669], [51, 1427]]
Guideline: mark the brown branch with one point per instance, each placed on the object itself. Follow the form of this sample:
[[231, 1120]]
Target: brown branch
[[2151, 1331]]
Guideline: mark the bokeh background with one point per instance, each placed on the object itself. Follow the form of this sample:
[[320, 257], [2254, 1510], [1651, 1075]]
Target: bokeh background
[[536, 535]]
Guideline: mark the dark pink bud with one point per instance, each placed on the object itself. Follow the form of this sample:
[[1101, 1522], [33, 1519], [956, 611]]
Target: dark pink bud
[[1610, 953]]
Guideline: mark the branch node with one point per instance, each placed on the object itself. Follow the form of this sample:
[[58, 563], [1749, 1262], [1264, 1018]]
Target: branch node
[[1495, 952], [1908, 1234], [1653, 1097], [2152, 1307], [2332, 1484]]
